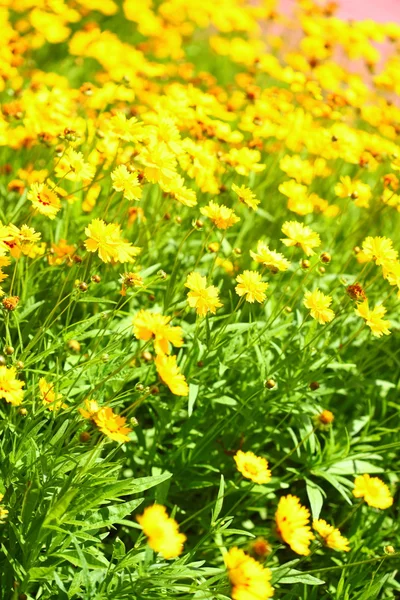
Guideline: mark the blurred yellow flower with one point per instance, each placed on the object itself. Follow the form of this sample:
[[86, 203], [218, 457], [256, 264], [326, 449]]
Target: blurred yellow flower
[[292, 523], [162, 531], [373, 490]]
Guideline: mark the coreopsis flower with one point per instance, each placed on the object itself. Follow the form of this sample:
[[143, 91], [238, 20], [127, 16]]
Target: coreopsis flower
[[373, 490], [153, 326], [170, 374], [3, 514], [106, 239], [11, 302], [357, 190], [111, 424], [126, 182], [162, 531], [44, 200], [222, 216], [298, 199], [301, 236], [61, 252], [176, 187], [246, 196], [130, 280], [91, 409], [379, 249], [331, 536], [159, 163], [318, 304], [130, 130], [374, 318], [251, 286], [23, 240], [73, 166], [50, 398], [274, 261], [10, 387], [292, 523], [252, 467], [249, 579], [204, 298]]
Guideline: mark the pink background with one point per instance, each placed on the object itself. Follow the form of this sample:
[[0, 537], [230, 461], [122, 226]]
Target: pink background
[[382, 11]]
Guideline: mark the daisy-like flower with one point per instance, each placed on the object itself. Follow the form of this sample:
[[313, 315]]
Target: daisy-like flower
[[44, 200], [10, 387], [357, 190], [379, 249], [319, 303], [159, 163], [129, 130], [106, 239], [148, 325], [170, 374], [274, 261], [73, 166], [249, 579], [204, 298], [222, 216], [162, 531], [112, 425], [300, 235], [246, 196], [91, 409], [373, 490], [331, 536], [292, 524], [127, 182], [374, 318], [49, 397], [251, 286], [252, 467]]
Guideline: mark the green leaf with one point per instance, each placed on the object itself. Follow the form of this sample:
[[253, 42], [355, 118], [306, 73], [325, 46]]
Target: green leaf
[[316, 498], [193, 392], [219, 502]]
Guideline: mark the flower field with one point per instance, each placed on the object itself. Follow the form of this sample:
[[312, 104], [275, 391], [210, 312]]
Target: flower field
[[200, 282]]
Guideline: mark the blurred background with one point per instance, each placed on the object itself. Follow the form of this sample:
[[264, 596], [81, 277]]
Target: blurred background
[[378, 10]]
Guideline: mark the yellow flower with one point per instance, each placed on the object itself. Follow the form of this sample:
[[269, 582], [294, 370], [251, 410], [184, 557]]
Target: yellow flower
[[298, 199], [246, 195], [107, 241], [274, 261], [292, 523], [112, 425], [170, 374], [159, 163], [162, 531], [126, 129], [373, 318], [148, 325], [300, 235], [202, 297], [252, 467], [358, 191], [91, 409], [10, 387], [373, 490], [249, 579], [222, 216], [44, 200], [72, 166], [379, 249], [127, 182], [3, 514], [50, 398], [331, 536], [318, 304], [251, 286]]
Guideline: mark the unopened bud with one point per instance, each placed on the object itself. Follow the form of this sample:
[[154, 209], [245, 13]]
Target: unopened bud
[[305, 264], [314, 385], [84, 437], [270, 384], [326, 257]]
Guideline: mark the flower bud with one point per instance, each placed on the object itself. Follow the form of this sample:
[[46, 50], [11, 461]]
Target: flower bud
[[326, 257], [96, 278], [9, 350], [270, 384], [314, 385], [305, 264], [84, 437]]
